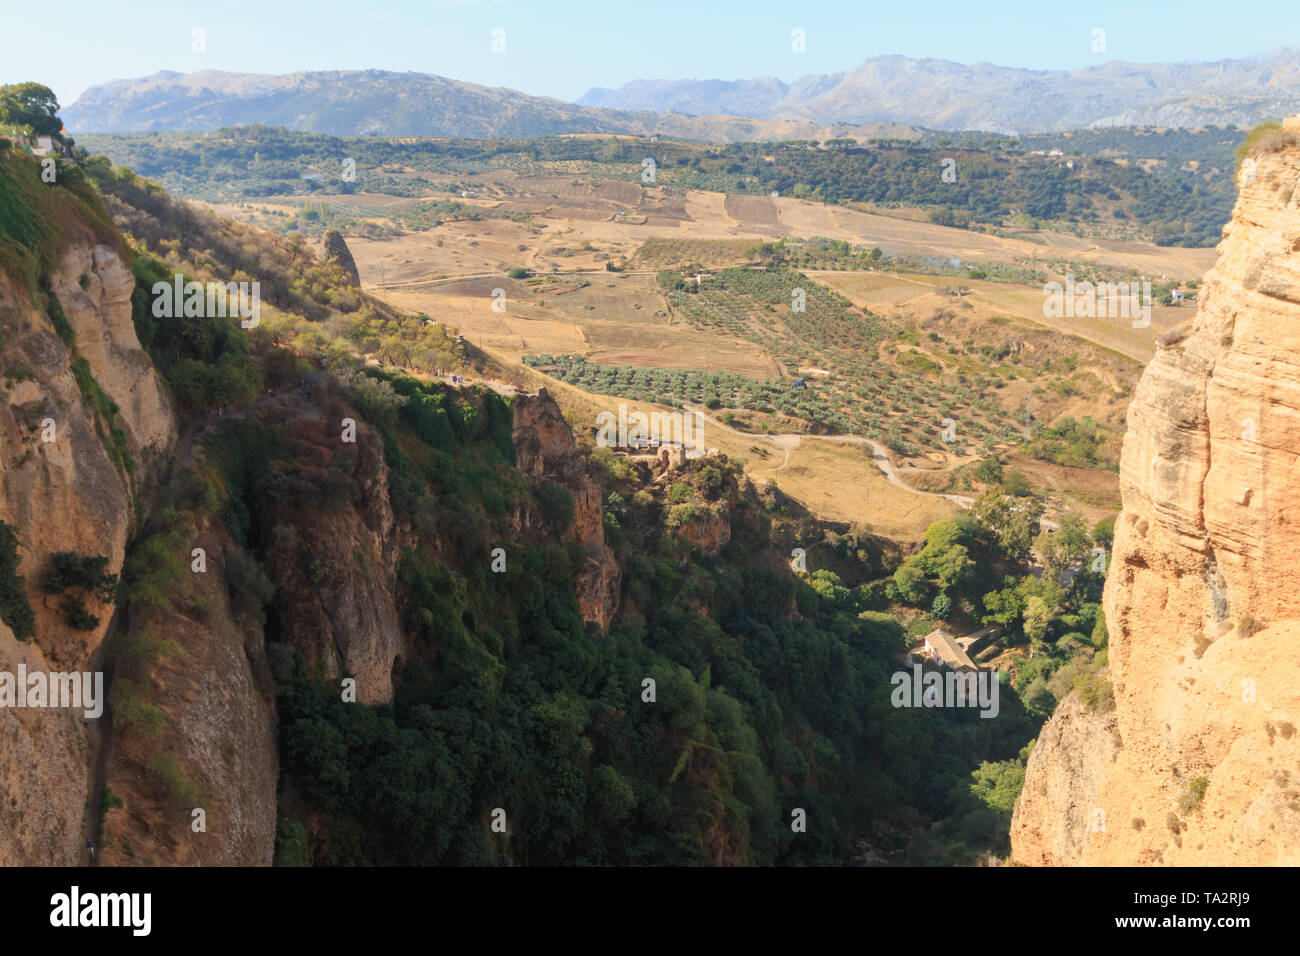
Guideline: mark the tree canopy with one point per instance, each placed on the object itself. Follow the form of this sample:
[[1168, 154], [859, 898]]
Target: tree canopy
[[31, 106]]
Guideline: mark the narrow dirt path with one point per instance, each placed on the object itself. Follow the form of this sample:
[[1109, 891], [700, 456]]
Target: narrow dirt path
[[442, 279], [879, 454]]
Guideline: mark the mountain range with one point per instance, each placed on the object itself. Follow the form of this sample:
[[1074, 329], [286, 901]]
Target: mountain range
[[942, 95], [378, 102], [885, 96]]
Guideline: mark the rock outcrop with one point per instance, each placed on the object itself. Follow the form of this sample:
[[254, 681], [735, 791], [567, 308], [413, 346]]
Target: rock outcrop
[[336, 578], [334, 250], [1204, 620], [547, 452]]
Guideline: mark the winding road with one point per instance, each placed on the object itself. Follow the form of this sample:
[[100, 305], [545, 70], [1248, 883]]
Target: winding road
[[879, 453]]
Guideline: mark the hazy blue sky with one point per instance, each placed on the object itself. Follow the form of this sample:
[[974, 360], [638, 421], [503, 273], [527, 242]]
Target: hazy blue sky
[[563, 47]]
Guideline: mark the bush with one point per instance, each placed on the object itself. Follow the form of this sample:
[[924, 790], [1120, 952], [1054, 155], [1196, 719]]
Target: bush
[[155, 568], [680, 493], [88, 574], [1093, 688], [942, 606], [1248, 626], [132, 711], [1017, 485], [1267, 137], [1103, 532], [1194, 794], [15, 609], [989, 471], [291, 847], [134, 652], [84, 577], [250, 589], [59, 320], [75, 614], [557, 507], [166, 772]]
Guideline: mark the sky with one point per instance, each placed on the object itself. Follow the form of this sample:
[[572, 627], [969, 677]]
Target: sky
[[562, 48]]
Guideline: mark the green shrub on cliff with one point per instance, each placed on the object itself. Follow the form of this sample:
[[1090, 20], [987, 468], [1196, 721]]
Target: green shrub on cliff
[[15, 610]]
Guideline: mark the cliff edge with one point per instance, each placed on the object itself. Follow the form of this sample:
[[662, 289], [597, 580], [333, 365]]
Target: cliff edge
[[1200, 762]]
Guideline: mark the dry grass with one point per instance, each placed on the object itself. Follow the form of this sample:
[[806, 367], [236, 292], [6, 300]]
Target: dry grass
[[917, 296]]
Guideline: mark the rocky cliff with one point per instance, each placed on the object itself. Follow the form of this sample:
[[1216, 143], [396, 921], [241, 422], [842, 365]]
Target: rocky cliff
[[211, 683], [1200, 762], [335, 573], [76, 492], [547, 452]]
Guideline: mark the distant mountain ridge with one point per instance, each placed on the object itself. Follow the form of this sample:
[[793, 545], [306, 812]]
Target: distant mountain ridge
[[939, 94], [379, 102], [885, 96]]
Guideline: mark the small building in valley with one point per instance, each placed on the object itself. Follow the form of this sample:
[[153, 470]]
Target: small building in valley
[[942, 647]]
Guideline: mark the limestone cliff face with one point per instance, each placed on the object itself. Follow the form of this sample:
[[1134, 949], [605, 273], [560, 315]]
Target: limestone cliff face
[[709, 530], [547, 451], [44, 773], [69, 494], [1203, 615], [100, 315]]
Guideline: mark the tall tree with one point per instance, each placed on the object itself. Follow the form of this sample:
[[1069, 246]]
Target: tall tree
[[33, 106]]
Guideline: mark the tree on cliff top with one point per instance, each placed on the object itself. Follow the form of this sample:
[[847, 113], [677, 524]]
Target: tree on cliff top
[[31, 106]]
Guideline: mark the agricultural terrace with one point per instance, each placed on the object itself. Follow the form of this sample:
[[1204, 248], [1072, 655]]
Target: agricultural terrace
[[870, 377]]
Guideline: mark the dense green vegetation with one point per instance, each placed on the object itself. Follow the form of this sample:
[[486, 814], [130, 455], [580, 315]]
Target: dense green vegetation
[[838, 254], [681, 387], [1080, 443], [30, 109], [511, 702], [79, 578]]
